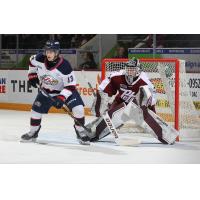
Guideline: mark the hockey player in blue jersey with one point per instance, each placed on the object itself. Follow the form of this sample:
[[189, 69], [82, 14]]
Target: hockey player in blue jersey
[[54, 75]]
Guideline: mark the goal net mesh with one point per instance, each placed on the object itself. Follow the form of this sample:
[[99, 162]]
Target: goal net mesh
[[164, 74]]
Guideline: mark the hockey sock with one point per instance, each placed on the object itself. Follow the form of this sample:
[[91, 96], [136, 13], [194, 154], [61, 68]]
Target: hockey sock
[[35, 121]]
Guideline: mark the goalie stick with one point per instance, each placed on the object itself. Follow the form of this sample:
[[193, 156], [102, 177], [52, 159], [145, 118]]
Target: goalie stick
[[118, 140], [89, 84]]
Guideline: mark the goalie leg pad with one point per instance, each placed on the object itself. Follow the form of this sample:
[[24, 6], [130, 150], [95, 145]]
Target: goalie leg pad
[[153, 124], [169, 134], [150, 122], [101, 125], [101, 129]]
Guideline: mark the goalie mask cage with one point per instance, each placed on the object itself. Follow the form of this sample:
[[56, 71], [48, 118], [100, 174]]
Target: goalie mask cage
[[174, 103]]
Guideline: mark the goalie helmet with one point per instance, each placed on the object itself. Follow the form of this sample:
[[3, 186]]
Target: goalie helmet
[[132, 70]]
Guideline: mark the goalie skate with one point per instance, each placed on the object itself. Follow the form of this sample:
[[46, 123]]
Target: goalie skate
[[82, 137]]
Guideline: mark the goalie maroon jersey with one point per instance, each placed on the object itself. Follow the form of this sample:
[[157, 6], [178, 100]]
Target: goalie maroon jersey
[[116, 84]]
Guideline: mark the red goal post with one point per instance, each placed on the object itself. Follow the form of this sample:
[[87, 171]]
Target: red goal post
[[174, 62]]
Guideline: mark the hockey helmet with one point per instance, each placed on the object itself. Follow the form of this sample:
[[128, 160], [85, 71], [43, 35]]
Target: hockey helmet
[[52, 45]]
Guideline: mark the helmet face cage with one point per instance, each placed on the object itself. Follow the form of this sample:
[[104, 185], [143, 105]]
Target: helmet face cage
[[132, 70]]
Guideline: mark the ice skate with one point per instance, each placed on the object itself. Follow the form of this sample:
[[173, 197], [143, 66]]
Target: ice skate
[[30, 136]]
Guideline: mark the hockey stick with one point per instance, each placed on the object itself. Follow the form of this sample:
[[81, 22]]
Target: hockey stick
[[66, 109], [89, 84], [120, 141]]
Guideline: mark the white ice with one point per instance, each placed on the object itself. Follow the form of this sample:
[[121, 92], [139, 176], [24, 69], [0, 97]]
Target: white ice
[[64, 148]]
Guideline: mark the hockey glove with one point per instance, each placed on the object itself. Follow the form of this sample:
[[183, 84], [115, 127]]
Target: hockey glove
[[59, 101], [33, 80], [145, 96]]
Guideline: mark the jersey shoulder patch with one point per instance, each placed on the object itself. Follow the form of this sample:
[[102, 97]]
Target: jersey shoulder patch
[[65, 67]]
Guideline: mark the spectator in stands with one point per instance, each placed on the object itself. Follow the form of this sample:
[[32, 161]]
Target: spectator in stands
[[84, 40], [159, 41], [36, 41], [89, 62], [121, 53], [74, 41]]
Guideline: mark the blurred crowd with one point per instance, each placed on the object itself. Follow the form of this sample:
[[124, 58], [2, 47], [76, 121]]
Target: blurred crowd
[[162, 40], [36, 41], [89, 59]]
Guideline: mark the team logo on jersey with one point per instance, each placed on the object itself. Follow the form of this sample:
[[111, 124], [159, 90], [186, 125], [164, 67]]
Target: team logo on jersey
[[49, 80], [37, 103], [127, 95], [71, 101]]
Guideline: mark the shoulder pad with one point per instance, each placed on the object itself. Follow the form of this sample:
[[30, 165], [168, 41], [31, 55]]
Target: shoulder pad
[[40, 57], [65, 67], [143, 75], [145, 78]]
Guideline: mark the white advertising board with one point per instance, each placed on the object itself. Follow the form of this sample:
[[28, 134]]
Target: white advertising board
[[14, 87]]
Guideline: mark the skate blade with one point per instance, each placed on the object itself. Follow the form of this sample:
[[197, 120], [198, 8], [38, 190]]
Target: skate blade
[[28, 141]]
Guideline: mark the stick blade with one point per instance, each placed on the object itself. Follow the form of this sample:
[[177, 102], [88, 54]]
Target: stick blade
[[128, 141]]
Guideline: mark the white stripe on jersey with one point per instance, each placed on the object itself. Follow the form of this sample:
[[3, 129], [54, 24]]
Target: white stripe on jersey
[[66, 93]]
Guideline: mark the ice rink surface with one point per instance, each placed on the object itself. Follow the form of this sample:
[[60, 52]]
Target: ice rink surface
[[63, 147]]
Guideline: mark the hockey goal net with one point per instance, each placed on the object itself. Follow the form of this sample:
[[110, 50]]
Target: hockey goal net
[[174, 103]]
